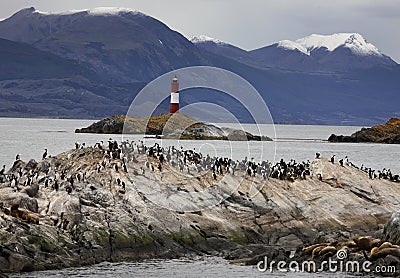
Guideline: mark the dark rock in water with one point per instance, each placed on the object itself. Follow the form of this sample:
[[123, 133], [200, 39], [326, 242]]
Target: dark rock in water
[[110, 125], [392, 139], [387, 133], [391, 231], [172, 126]]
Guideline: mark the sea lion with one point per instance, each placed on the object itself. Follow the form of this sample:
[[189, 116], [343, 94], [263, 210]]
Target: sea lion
[[309, 249], [316, 250], [24, 215], [29, 217], [384, 252], [351, 244], [327, 250], [14, 210], [366, 243], [384, 245], [373, 251]]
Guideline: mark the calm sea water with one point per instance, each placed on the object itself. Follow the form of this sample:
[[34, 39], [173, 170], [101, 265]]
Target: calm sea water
[[197, 267], [29, 137]]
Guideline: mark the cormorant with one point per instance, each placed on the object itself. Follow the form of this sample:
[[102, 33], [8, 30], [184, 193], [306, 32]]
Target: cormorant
[[2, 171], [44, 154]]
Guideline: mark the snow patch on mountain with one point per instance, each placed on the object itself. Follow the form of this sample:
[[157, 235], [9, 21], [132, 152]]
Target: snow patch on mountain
[[290, 45], [354, 41], [112, 11], [203, 38], [99, 11]]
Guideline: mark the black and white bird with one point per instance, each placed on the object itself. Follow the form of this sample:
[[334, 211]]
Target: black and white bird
[[333, 158], [44, 154], [3, 170], [346, 160]]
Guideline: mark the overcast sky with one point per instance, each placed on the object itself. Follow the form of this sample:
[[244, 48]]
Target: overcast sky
[[251, 24]]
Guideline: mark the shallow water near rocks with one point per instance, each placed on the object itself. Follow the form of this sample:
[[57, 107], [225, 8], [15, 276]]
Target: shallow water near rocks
[[30, 137], [196, 267]]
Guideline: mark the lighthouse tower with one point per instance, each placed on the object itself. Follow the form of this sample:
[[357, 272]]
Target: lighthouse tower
[[174, 104]]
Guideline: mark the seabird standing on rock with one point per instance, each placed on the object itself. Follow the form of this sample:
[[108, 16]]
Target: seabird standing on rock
[[2, 171], [17, 157], [346, 160], [317, 155], [14, 182], [44, 154], [333, 158]]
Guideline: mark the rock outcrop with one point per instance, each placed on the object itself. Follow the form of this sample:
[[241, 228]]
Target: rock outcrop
[[92, 207], [387, 133], [202, 131], [391, 230], [172, 126]]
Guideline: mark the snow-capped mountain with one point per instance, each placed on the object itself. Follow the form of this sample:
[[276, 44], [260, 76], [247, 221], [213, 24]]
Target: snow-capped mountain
[[121, 45], [353, 41], [218, 47], [91, 63], [99, 11], [336, 52], [204, 39]]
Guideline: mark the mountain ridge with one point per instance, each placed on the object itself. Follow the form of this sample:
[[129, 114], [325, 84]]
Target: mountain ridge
[[306, 53], [123, 50]]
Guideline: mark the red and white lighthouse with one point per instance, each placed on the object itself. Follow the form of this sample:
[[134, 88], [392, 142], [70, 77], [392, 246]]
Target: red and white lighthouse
[[174, 104]]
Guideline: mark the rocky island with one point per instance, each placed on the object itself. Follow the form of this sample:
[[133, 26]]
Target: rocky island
[[170, 126], [386, 133], [102, 203]]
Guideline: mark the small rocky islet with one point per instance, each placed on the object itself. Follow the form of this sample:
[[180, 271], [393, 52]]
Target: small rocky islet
[[169, 126], [94, 204], [388, 133]]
